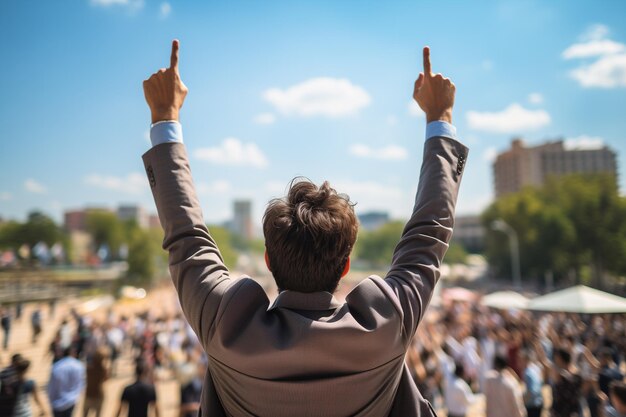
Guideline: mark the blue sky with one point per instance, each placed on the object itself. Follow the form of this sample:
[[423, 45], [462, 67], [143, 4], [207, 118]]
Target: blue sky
[[283, 88]]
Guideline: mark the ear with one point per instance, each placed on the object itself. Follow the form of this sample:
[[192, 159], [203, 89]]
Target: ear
[[267, 262], [346, 268]]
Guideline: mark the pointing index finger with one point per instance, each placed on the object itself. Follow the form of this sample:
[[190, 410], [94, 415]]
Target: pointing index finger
[[427, 71], [174, 57]]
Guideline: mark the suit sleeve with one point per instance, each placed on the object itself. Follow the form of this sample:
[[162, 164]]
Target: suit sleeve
[[415, 267], [196, 265]]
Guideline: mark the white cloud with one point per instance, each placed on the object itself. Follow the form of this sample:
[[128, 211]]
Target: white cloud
[[264, 118], [216, 187], [512, 119], [584, 142], [165, 9], [133, 183], [607, 72], [414, 109], [490, 154], [595, 32], [390, 152], [5, 196], [593, 48], [535, 98], [232, 151], [34, 187], [130, 4], [323, 96]]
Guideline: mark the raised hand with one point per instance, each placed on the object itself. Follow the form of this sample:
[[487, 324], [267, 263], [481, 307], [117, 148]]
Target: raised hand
[[165, 92], [434, 93]]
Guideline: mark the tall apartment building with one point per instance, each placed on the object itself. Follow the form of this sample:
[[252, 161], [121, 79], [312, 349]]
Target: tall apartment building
[[522, 166], [242, 221]]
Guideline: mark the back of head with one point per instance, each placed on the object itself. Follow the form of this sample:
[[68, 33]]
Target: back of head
[[22, 365], [563, 355], [141, 367], [500, 363], [309, 235], [459, 370]]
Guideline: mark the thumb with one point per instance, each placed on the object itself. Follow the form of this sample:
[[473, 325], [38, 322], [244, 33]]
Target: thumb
[[420, 81]]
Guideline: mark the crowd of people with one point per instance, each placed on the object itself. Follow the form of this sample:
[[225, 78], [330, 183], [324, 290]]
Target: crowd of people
[[85, 352], [523, 363]]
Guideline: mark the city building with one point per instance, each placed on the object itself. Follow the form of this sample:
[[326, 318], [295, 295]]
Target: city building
[[469, 232], [76, 220], [242, 220], [372, 220], [522, 165], [136, 213]]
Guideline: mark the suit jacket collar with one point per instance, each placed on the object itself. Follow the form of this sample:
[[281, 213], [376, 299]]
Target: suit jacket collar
[[295, 300]]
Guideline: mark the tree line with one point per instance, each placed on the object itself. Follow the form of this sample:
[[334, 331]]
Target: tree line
[[572, 228]]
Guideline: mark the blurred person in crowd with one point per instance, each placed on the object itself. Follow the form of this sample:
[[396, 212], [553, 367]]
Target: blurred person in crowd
[[615, 404], [458, 394], [565, 382], [66, 335], [115, 341], [98, 371], [10, 383], [52, 307], [309, 237], [66, 384], [191, 392], [139, 397], [19, 307], [533, 381], [503, 392], [27, 389], [5, 322], [609, 370], [56, 350], [35, 323]]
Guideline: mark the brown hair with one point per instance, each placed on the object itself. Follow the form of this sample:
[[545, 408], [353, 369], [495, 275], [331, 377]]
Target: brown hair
[[309, 235]]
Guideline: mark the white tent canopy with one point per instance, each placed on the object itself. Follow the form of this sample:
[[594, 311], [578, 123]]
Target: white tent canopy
[[579, 299], [505, 300]]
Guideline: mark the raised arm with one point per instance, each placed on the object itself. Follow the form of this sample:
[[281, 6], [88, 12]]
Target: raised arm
[[196, 266], [418, 256]]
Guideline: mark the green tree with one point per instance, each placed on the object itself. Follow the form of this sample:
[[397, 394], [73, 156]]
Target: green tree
[[106, 228], [37, 228], [145, 256], [572, 223], [456, 254], [598, 212], [377, 246], [224, 239]]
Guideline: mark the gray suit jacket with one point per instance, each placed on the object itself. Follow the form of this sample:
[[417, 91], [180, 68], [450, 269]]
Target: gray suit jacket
[[307, 354]]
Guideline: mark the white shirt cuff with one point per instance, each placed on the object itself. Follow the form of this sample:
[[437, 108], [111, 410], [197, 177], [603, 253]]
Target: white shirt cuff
[[440, 128], [166, 131]]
